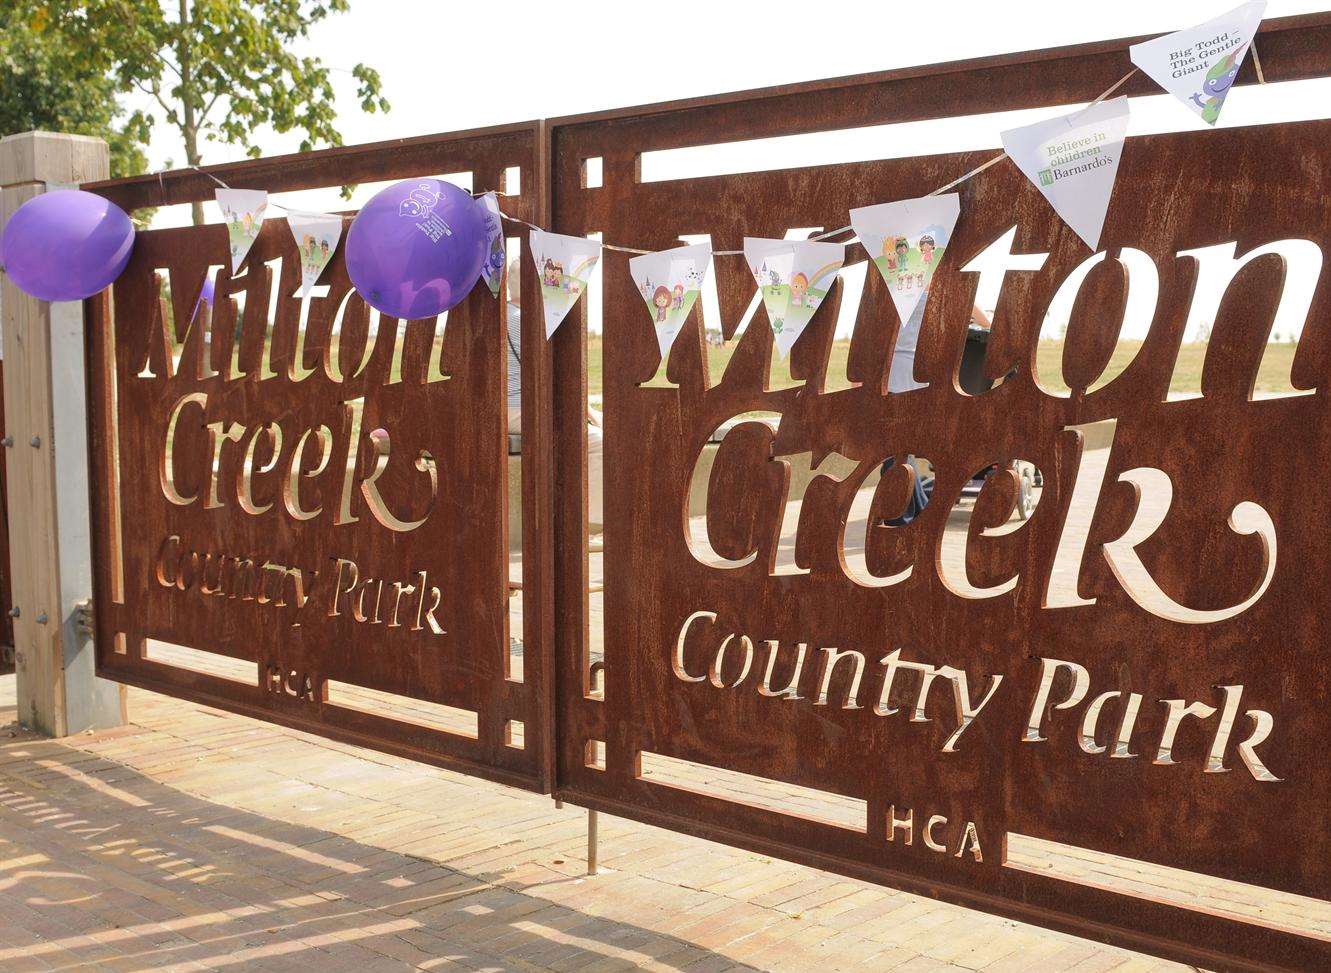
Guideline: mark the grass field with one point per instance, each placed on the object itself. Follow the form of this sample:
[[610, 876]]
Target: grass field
[[1274, 372]]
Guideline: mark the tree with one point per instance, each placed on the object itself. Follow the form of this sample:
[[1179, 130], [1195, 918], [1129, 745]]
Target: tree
[[47, 85], [219, 70]]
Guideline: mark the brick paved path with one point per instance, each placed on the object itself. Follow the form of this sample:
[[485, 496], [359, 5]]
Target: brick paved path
[[194, 839]]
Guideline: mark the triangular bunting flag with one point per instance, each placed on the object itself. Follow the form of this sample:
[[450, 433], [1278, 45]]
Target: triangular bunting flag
[[317, 236], [669, 281], [794, 276], [1073, 160], [1198, 65], [243, 211], [563, 265], [493, 269], [906, 241]]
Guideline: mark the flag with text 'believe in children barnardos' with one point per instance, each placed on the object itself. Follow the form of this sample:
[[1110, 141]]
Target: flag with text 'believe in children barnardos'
[[1073, 161]]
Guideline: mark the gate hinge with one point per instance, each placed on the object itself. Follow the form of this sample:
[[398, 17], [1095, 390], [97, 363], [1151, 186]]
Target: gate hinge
[[83, 619]]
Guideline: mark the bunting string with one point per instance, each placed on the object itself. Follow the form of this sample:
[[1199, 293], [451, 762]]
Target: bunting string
[[1257, 62], [1071, 159], [825, 235], [828, 234], [284, 209]]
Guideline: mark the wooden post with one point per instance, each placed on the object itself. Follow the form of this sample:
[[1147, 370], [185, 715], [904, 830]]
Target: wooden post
[[593, 846], [47, 464]]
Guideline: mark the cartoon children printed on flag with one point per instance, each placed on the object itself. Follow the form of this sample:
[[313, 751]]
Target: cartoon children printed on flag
[[309, 252], [670, 281], [564, 264], [906, 240], [317, 236], [794, 277], [243, 211]]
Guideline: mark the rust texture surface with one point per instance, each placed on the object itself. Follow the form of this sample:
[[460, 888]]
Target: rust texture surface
[[314, 489], [1138, 668], [699, 646]]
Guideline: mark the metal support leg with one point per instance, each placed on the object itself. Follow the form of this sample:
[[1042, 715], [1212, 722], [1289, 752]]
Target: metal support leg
[[591, 843]]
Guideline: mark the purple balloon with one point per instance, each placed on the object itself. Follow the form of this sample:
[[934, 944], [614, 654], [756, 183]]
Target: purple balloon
[[66, 245], [417, 248]]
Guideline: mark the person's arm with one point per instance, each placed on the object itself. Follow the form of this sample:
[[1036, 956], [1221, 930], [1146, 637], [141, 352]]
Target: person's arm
[[980, 318]]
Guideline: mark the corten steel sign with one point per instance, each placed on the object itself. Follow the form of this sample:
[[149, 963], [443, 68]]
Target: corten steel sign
[[313, 488], [1137, 668], [1140, 668]]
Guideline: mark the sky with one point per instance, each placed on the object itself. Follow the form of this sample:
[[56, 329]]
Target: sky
[[444, 68]]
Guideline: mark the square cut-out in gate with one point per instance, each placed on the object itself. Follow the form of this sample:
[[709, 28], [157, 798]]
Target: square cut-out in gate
[[763, 793], [404, 709]]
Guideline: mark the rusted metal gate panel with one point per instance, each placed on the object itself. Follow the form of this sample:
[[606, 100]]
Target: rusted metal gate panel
[[696, 654], [311, 491]]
